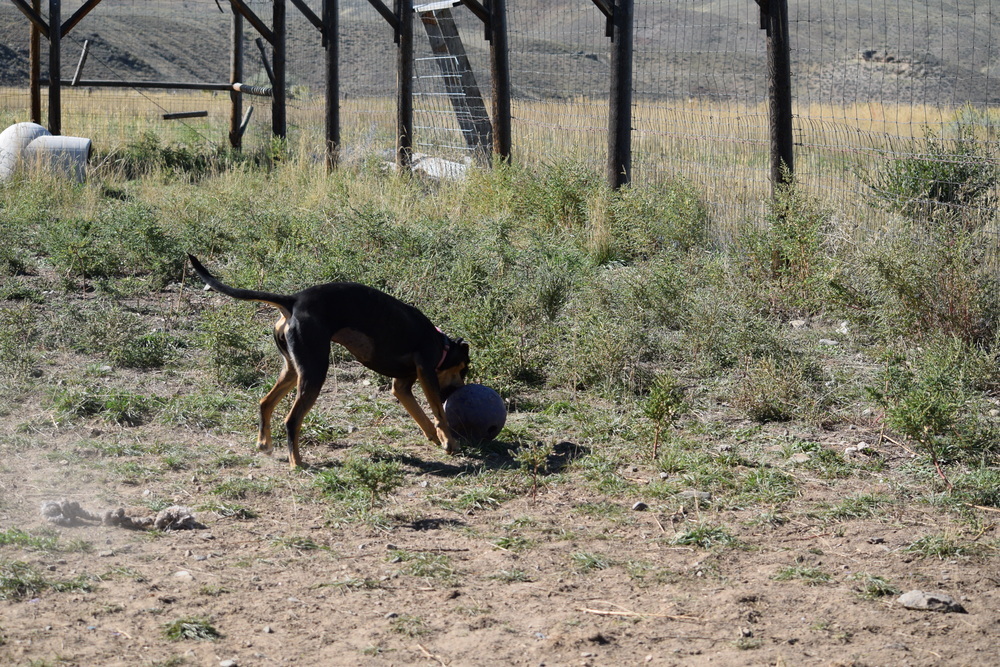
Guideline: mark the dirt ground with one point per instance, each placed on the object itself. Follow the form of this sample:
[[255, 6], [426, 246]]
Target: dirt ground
[[568, 576]]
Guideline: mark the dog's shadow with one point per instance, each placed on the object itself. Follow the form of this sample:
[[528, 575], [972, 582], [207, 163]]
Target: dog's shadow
[[476, 458]]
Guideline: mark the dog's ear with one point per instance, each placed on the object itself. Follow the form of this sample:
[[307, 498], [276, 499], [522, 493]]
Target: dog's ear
[[458, 353]]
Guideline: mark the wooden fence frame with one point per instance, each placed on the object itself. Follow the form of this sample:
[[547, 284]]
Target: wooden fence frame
[[493, 14]]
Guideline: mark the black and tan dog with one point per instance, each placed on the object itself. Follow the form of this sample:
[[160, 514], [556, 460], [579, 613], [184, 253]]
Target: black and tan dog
[[383, 333]]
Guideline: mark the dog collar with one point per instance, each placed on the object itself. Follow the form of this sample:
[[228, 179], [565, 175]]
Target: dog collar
[[445, 350]]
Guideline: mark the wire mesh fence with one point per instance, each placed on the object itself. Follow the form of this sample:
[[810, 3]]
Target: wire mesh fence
[[879, 88]]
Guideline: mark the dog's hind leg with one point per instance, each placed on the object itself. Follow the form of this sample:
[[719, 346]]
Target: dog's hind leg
[[286, 380], [311, 357]]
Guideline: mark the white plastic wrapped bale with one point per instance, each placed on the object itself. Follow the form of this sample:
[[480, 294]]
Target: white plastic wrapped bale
[[31, 144]]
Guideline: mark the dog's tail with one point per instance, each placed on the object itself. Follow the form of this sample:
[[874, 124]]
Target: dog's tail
[[282, 302]]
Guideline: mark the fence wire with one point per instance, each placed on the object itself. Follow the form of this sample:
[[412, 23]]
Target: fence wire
[[880, 90]]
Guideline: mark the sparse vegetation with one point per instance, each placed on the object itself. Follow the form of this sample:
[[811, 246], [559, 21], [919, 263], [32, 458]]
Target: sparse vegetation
[[679, 404]]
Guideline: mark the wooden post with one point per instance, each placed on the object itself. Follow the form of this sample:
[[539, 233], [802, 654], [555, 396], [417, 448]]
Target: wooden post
[[236, 76], [404, 84], [331, 40], [500, 76], [279, 126], [620, 112], [35, 67], [55, 50], [774, 19]]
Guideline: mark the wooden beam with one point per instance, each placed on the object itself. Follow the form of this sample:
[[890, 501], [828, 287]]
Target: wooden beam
[[606, 8], [309, 14], [331, 42], [620, 112], [779, 93], [479, 11], [388, 15], [78, 15], [500, 79], [55, 52], [33, 16], [404, 85], [279, 121], [84, 52], [253, 20], [178, 115], [235, 76], [35, 67]]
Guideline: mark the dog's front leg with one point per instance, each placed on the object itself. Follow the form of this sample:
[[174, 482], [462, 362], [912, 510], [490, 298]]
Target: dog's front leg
[[432, 390], [402, 389]]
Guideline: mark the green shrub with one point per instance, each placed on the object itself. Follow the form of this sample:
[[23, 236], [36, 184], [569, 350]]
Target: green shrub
[[930, 396], [940, 175], [787, 263]]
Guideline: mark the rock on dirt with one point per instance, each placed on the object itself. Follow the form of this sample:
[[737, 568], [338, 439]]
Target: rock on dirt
[[922, 601]]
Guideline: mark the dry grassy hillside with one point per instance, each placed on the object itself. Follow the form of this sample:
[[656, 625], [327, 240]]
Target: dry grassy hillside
[[917, 50]]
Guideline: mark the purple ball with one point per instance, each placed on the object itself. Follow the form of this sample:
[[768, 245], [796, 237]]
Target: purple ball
[[475, 413]]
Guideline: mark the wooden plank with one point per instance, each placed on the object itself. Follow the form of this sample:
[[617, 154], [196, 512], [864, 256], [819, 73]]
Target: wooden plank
[[476, 8], [78, 16], [309, 14], [34, 15], [253, 20], [459, 81], [84, 52], [387, 14], [178, 115]]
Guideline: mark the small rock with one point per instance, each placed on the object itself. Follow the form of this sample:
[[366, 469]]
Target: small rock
[[922, 601], [106, 554], [876, 540], [746, 632], [664, 475], [640, 507], [691, 494], [828, 342], [268, 630], [183, 575], [798, 324], [800, 457], [228, 663], [860, 449], [391, 615], [844, 328]]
